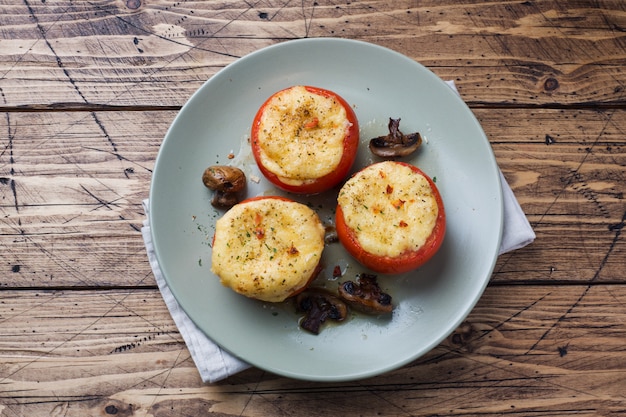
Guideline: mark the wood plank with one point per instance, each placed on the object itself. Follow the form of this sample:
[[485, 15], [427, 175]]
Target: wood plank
[[539, 53], [540, 350], [87, 92], [568, 174], [71, 187]]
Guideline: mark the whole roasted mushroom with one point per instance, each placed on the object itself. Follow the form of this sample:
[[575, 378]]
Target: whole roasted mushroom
[[366, 295], [227, 182], [396, 144], [319, 305]]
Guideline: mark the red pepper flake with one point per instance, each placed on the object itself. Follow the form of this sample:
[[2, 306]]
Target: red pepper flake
[[337, 271], [293, 250], [398, 203], [403, 223], [382, 174], [389, 189], [313, 123], [259, 231]]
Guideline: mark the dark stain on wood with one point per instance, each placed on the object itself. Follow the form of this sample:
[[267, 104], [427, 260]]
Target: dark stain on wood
[[463, 335], [579, 184], [135, 344], [117, 408], [616, 227]]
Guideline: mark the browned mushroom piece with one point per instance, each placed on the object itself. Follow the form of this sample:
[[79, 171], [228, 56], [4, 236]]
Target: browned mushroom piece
[[396, 144], [366, 295], [227, 182], [224, 178], [330, 235], [319, 305], [223, 199]]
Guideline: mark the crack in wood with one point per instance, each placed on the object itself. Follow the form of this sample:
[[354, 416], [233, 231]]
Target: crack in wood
[[103, 203], [71, 80], [616, 237], [127, 171], [14, 191], [568, 181], [11, 137]]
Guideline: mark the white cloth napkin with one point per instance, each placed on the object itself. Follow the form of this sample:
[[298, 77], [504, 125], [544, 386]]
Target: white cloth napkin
[[516, 232], [215, 364]]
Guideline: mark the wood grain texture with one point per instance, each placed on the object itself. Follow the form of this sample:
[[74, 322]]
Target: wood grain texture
[[88, 90], [541, 350], [534, 53], [77, 179]]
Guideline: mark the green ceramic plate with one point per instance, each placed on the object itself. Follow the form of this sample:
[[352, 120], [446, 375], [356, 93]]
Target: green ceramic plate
[[378, 83]]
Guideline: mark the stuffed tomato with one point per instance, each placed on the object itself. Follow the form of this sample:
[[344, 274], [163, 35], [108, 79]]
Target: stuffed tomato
[[390, 217], [267, 248], [304, 139]]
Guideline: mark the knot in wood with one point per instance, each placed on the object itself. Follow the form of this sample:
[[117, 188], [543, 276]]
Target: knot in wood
[[110, 409], [551, 84], [463, 335], [133, 4]]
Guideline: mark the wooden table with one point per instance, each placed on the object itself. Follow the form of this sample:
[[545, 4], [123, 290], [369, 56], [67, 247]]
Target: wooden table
[[87, 92]]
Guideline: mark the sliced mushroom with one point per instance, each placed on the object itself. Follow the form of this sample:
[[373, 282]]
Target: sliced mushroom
[[330, 234], [396, 144], [319, 305], [366, 295], [226, 181]]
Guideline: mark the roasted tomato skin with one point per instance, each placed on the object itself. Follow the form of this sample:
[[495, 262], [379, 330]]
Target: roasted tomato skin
[[405, 262], [321, 184]]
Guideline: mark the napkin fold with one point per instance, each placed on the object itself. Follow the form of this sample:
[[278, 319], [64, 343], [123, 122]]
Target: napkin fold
[[215, 364], [517, 231]]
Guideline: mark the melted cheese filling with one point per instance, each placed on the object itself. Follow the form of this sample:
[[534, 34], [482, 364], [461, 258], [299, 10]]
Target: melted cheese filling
[[301, 135], [267, 249], [390, 208]]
